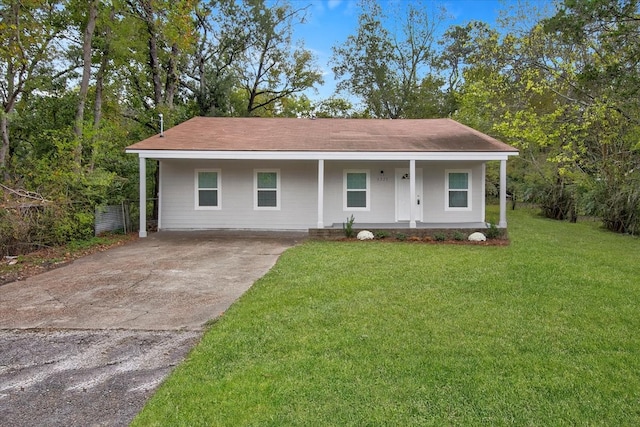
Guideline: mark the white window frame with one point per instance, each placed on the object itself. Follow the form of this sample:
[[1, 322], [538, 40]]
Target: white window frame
[[346, 190], [256, 189], [197, 190], [447, 189]]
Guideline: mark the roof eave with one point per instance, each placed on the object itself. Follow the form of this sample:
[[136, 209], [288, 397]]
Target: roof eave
[[324, 155]]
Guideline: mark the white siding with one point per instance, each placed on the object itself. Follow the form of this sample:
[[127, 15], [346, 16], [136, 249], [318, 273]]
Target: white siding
[[299, 189], [434, 192], [298, 196], [383, 192], [382, 196]]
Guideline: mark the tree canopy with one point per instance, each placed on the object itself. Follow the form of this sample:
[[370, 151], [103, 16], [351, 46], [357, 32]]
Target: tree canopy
[[391, 72]]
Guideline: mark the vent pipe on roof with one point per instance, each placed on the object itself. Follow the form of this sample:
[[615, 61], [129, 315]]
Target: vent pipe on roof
[[161, 125]]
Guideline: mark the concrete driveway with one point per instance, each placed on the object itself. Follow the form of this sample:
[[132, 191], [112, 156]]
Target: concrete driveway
[[88, 343]]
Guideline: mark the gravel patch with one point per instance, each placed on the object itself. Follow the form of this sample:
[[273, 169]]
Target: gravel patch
[[84, 378]]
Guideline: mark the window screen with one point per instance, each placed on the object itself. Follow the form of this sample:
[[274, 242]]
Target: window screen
[[458, 191], [207, 189], [356, 196], [267, 189]]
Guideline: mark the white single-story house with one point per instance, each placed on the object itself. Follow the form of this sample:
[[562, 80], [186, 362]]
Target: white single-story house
[[302, 174]]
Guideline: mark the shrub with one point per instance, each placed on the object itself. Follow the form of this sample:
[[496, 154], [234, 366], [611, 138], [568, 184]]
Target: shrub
[[616, 201], [440, 237], [458, 235], [493, 232], [381, 234], [347, 227], [23, 230]]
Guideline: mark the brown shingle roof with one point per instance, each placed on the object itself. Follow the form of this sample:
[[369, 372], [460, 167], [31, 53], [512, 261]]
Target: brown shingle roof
[[328, 135]]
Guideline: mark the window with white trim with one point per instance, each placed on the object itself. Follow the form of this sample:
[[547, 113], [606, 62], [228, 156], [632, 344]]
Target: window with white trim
[[207, 185], [458, 190], [356, 190], [267, 189]]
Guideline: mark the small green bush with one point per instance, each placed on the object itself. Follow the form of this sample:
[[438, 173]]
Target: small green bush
[[493, 232], [68, 226], [347, 227], [459, 235], [439, 237], [401, 236], [381, 234]]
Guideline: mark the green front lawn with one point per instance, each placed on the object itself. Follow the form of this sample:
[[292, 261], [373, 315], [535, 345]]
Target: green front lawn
[[542, 332]]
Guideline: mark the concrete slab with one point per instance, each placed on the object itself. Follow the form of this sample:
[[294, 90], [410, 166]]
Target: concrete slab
[[168, 281]]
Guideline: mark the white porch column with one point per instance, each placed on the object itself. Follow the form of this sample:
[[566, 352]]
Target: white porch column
[[321, 193], [503, 194], [412, 193], [484, 193], [143, 197]]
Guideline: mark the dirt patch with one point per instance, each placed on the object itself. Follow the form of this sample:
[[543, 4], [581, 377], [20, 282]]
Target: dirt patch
[[24, 266], [88, 378], [428, 240]]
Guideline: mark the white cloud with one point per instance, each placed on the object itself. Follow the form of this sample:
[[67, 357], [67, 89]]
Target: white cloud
[[332, 4]]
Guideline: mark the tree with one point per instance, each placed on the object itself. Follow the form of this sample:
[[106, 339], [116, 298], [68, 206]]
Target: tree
[[565, 93], [606, 89], [390, 72], [290, 106], [271, 68], [27, 47], [457, 47], [334, 107], [89, 15], [169, 31], [222, 38]]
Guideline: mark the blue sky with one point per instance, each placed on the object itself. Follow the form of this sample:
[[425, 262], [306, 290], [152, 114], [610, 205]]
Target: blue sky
[[330, 22]]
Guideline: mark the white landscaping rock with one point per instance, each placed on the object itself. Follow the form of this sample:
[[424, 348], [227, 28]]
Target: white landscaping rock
[[477, 237], [365, 235]]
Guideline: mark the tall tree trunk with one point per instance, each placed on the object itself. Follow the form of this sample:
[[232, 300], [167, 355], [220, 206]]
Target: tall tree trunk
[[4, 149], [202, 81], [105, 56], [97, 106], [7, 108], [11, 92], [154, 62], [92, 15], [255, 84], [172, 76]]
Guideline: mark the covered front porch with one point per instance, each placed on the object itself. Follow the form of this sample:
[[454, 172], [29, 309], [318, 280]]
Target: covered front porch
[[383, 178], [414, 217]]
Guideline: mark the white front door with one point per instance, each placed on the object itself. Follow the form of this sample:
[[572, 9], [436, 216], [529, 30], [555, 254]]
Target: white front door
[[403, 194]]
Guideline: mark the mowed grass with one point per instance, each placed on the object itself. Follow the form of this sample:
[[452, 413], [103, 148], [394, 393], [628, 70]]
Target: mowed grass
[[545, 331]]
